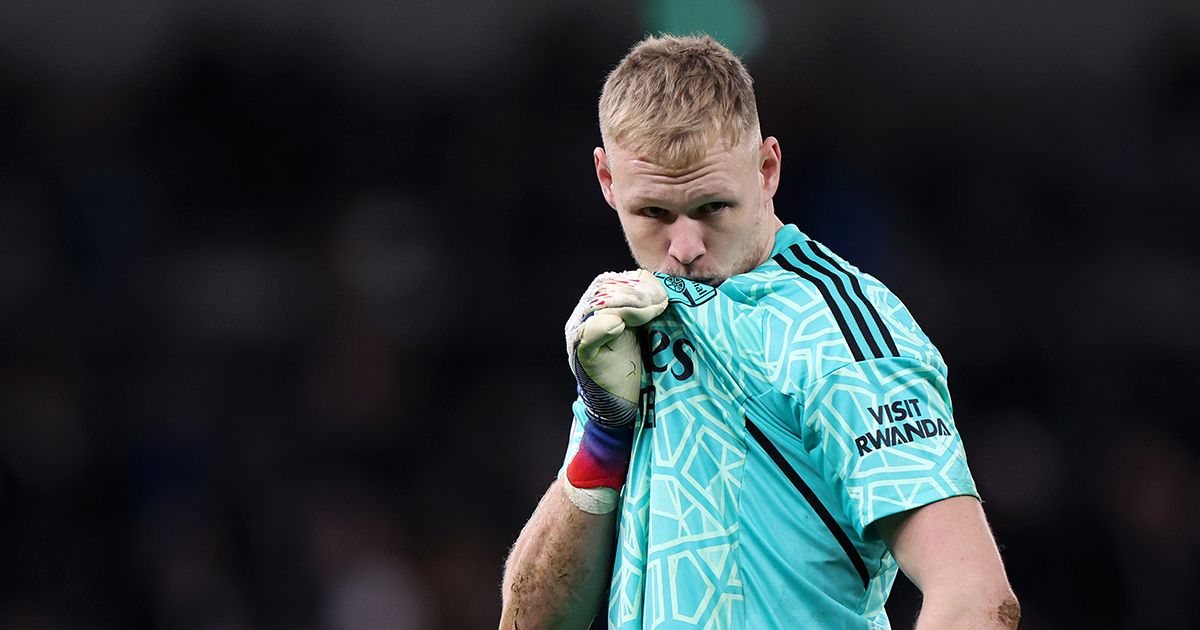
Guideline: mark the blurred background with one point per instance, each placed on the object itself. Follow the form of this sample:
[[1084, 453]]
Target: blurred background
[[282, 286]]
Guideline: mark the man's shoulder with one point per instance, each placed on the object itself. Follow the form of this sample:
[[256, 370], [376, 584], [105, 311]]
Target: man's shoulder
[[819, 306]]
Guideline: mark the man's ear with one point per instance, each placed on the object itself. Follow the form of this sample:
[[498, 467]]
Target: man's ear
[[769, 159], [604, 176]]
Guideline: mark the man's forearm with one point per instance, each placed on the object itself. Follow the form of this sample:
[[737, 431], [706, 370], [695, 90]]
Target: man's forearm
[[558, 569]]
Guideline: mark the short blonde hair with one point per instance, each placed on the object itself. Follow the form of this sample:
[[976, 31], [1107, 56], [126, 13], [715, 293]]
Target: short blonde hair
[[671, 97]]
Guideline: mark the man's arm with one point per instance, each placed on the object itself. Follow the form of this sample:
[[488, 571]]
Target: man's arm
[[947, 550], [559, 567]]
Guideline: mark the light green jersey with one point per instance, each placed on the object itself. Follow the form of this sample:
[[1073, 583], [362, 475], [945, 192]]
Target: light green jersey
[[786, 411]]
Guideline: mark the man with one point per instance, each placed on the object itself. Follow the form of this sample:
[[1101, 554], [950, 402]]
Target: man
[[791, 444]]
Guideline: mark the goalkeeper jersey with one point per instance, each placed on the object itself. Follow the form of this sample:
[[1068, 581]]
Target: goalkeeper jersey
[[785, 411]]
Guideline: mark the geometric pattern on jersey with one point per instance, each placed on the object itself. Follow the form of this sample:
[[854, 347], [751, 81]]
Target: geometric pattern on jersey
[[789, 409]]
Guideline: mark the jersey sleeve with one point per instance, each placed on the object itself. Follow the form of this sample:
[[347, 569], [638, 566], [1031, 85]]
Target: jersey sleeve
[[578, 417], [885, 435]]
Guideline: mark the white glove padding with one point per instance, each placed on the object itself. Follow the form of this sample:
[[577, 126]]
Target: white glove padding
[[601, 347]]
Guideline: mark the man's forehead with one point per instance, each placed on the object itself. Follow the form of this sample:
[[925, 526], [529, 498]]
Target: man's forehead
[[650, 188], [716, 159]]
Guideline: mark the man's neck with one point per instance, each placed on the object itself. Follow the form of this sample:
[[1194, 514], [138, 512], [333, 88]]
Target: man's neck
[[770, 245]]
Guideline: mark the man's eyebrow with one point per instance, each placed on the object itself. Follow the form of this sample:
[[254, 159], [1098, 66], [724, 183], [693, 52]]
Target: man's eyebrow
[[642, 198], [705, 196], [713, 195], [644, 202]]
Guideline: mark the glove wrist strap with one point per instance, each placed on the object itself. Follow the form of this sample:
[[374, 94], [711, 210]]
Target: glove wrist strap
[[596, 473]]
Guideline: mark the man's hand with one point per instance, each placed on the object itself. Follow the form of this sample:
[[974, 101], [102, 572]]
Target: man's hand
[[604, 354]]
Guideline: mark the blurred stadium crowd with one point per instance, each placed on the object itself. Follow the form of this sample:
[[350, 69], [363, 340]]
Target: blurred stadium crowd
[[282, 288]]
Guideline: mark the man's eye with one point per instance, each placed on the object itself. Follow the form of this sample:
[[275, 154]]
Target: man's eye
[[653, 212], [713, 207]]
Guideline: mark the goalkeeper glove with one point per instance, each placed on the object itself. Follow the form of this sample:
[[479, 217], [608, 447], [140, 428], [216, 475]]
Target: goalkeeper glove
[[605, 356]]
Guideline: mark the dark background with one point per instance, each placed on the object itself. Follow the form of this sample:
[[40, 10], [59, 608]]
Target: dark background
[[282, 286]]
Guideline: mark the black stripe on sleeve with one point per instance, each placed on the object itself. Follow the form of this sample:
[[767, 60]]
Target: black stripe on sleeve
[[840, 285], [837, 312], [813, 501], [858, 290]]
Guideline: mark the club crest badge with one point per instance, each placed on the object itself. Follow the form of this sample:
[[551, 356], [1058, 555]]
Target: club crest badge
[[686, 292]]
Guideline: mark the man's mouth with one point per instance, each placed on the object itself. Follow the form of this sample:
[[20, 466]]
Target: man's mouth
[[711, 281]]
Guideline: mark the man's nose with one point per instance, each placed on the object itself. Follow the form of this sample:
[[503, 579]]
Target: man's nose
[[687, 240]]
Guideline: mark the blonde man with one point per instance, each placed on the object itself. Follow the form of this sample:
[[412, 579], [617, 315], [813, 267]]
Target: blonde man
[[763, 436]]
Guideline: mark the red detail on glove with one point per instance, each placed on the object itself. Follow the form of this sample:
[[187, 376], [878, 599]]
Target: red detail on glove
[[585, 472], [603, 457]]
